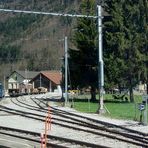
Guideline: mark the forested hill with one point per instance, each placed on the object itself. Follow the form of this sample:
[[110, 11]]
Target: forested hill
[[34, 42]]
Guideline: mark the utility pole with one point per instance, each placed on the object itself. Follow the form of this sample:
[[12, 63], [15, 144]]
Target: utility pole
[[66, 72], [26, 83], [4, 85], [100, 61], [40, 80]]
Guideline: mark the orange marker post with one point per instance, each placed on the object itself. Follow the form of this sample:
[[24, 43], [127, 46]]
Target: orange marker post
[[49, 119], [50, 122], [42, 140], [46, 128]]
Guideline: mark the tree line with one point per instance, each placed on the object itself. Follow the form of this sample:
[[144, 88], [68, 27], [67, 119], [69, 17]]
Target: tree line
[[125, 52]]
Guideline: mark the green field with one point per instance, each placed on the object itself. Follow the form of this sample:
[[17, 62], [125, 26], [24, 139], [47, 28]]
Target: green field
[[114, 108]]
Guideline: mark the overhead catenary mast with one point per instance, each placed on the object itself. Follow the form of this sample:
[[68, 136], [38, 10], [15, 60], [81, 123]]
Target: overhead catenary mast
[[100, 61], [66, 71]]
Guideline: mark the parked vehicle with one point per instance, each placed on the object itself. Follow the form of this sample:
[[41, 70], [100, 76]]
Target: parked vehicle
[[1, 91], [14, 92]]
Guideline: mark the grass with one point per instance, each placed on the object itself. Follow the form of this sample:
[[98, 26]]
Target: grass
[[115, 108], [122, 110], [86, 107]]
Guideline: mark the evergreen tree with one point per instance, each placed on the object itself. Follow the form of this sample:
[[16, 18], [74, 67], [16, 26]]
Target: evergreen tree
[[143, 29], [83, 62], [124, 42]]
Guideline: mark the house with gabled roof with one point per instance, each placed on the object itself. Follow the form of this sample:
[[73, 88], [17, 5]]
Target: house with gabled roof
[[47, 79], [18, 81]]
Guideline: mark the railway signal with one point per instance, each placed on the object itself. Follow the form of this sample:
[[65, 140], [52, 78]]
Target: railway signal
[[145, 102]]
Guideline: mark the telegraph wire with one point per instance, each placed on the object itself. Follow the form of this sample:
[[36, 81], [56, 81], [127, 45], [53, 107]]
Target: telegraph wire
[[49, 13]]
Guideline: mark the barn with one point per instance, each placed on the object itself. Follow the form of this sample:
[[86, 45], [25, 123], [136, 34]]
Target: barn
[[50, 80]]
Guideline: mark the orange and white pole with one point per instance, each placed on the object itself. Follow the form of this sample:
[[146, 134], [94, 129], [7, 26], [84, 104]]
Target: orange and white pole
[[49, 119], [42, 140], [46, 128]]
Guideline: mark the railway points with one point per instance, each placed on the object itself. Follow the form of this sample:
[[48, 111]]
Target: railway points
[[29, 112]]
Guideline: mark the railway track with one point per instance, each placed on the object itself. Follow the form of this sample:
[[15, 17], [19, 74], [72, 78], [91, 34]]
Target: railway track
[[91, 120], [52, 141], [79, 123]]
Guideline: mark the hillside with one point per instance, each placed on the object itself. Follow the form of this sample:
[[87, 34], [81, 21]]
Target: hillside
[[29, 41]]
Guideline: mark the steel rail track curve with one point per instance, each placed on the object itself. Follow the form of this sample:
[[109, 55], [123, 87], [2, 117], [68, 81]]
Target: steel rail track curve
[[71, 141], [100, 133]]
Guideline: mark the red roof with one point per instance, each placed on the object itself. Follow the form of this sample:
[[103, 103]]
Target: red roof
[[54, 76]]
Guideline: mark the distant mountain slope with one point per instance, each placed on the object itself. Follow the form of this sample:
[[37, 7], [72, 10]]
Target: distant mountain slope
[[29, 41]]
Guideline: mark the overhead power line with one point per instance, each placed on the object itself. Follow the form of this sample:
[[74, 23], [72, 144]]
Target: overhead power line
[[49, 13]]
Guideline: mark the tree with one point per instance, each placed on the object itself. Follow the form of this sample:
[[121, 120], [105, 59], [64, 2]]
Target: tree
[[124, 41], [143, 28], [83, 62], [9, 53]]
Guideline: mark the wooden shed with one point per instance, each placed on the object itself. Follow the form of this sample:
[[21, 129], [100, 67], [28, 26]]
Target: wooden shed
[[47, 79]]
